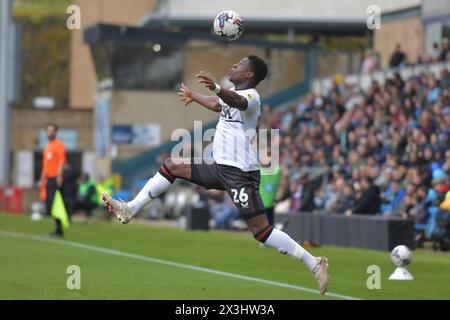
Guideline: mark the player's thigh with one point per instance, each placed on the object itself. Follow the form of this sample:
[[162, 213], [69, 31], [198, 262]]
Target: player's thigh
[[206, 175], [243, 188]]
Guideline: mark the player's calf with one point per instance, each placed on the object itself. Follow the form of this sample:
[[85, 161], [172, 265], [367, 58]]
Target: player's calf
[[286, 245], [159, 183]]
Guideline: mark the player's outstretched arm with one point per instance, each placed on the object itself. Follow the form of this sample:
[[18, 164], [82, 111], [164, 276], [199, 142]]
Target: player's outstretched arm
[[209, 102], [230, 97]]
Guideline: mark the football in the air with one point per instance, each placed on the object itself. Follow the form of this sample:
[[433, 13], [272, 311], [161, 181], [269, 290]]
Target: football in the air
[[401, 256], [228, 25]]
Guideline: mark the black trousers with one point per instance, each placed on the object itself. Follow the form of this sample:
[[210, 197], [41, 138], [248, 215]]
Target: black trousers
[[70, 203], [51, 188]]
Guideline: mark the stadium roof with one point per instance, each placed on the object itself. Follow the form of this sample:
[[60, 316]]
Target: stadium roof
[[119, 33], [345, 16]]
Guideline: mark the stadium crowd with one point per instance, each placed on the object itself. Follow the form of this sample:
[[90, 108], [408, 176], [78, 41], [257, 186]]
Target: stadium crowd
[[384, 150], [380, 151]]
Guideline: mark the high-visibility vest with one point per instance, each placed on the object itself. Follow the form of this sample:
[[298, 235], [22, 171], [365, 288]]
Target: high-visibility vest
[[106, 186], [84, 187]]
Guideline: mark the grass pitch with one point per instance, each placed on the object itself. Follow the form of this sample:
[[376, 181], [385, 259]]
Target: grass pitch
[[146, 262]]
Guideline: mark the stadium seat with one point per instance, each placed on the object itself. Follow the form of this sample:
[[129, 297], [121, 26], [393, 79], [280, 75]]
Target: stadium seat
[[431, 223]]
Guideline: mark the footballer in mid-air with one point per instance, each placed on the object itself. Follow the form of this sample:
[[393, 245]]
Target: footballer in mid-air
[[234, 168]]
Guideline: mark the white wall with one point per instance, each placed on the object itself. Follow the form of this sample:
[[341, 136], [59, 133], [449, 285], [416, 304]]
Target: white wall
[[432, 8]]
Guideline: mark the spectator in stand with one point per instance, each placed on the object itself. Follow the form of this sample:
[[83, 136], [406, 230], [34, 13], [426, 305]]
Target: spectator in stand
[[430, 57], [370, 62], [445, 51], [419, 207], [446, 165], [435, 52], [393, 199], [222, 208], [433, 90], [369, 202], [440, 183], [348, 199], [398, 58], [444, 82], [334, 201]]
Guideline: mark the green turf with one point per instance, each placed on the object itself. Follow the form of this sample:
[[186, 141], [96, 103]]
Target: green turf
[[34, 269]]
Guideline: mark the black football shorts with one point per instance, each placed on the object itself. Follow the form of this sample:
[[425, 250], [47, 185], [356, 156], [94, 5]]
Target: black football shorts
[[243, 187]]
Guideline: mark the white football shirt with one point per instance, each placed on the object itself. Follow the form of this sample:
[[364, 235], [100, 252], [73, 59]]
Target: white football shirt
[[235, 139]]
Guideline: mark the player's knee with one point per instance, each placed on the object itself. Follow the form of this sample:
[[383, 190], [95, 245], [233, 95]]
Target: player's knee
[[170, 165], [263, 234], [257, 223]]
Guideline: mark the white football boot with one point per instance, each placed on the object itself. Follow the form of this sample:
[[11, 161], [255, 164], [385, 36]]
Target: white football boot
[[119, 208], [320, 273]]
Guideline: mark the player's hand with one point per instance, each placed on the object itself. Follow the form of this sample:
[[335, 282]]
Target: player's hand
[[59, 180], [185, 95], [205, 80]]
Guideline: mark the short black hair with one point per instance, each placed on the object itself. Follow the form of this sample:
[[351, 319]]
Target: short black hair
[[52, 125], [259, 68], [368, 179]]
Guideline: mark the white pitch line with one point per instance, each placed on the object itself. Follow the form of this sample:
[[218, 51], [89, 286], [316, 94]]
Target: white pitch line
[[170, 263]]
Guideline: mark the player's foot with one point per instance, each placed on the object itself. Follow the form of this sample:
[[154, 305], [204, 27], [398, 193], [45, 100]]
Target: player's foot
[[320, 273], [119, 208]]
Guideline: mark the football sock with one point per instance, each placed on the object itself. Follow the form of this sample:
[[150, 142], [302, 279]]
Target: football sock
[[286, 245], [156, 185]]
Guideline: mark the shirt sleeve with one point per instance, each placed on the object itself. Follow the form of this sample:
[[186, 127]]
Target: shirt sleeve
[[252, 98], [62, 154]]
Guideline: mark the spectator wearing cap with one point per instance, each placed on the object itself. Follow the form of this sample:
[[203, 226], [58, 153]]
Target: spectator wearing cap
[[440, 182]]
